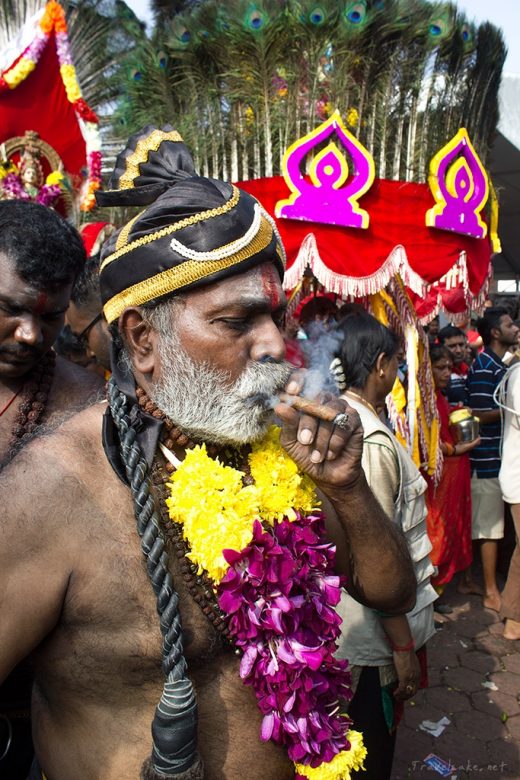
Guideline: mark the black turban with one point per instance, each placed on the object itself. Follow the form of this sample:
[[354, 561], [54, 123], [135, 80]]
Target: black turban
[[195, 230]]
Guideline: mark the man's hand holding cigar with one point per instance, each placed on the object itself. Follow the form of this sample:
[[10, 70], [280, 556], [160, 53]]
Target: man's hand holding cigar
[[325, 438]]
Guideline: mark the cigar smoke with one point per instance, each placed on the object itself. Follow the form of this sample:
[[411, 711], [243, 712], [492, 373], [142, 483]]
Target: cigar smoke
[[320, 348]]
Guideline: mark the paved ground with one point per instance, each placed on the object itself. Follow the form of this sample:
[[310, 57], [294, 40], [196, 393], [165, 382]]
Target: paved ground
[[483, 737]]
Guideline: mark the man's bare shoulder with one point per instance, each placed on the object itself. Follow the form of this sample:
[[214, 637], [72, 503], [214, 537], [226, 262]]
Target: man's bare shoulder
[[73, 387], [55, 460]]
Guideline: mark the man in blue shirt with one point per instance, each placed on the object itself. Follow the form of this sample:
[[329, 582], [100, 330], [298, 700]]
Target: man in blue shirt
[[499, 333]]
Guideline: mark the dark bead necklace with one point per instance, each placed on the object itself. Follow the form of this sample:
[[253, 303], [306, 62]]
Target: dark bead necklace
[[34, 397], [199, 586]]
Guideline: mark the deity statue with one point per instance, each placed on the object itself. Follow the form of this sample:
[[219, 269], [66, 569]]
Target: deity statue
[[31, 171], [22, 173]]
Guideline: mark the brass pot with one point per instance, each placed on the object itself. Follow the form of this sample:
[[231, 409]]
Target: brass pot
[[464, 426]]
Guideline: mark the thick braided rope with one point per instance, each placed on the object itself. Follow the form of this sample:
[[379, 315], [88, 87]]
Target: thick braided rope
[[174, 727]]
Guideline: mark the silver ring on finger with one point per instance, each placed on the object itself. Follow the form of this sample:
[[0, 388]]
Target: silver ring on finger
[[342, 420]]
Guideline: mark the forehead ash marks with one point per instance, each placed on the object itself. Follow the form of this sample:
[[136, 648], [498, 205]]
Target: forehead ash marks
[[271, 285]]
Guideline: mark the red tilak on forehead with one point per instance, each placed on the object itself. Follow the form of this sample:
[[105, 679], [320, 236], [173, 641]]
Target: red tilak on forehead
[[271, 285], [41, 300]]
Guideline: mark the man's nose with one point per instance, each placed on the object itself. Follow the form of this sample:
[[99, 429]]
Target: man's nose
[[268, 344], [29, 331]]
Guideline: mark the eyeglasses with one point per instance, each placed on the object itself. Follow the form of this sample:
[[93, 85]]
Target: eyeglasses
[[82, 337], [79, 342]]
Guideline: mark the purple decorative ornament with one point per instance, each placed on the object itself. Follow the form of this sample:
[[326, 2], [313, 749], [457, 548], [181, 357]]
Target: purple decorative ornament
[[332, 193], [460, 187]]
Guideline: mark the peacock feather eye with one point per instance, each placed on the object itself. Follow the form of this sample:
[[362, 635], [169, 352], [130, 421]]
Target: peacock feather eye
[[440, 27], [317, 16], [222, 23], [181, 33], [468, 38], [136, 74], [255, 19], [355, 13], [162, 59]]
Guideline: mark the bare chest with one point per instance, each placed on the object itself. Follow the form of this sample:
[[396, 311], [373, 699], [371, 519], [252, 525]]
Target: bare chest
[[108, 643]]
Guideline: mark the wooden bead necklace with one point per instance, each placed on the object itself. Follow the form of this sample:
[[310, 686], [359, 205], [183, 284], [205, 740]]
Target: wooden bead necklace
[[34, 397], [199, 586]]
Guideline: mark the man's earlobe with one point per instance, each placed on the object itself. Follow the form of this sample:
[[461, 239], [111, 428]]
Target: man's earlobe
[[139, 340]]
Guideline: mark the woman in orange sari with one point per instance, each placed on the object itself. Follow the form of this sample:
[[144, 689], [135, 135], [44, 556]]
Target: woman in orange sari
[[449, 503]]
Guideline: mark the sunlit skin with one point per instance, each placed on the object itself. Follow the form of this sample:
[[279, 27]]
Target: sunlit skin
[[79, 600], [223, 327]]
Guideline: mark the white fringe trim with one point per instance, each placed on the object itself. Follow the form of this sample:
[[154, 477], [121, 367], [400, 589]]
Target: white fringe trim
[[396, 263], [356, 286]]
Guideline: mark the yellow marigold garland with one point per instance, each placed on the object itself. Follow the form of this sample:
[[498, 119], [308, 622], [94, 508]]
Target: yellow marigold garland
[[70, 81], [341, 765], [19, 72], [281, 486], [217, 512], [214, 508]]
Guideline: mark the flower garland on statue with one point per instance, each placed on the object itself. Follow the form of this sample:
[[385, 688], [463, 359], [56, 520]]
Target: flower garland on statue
[[12, 186], [263, 547], [53, 21]]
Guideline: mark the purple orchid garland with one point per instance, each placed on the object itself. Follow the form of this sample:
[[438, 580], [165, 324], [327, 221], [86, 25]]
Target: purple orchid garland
[[13, 187], [280, 593]]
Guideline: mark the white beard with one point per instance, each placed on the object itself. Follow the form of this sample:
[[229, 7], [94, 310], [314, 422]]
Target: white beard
[[200, 400]]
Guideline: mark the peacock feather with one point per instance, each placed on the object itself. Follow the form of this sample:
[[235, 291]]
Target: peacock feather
[[246, 78]]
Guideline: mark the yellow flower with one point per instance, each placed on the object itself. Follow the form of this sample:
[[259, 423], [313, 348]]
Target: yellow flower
[[55, 177], [352, 117], [281, 487], [20, 72], [7, 166], [217, 512], [341, 765], [214, 508], [68, 74]]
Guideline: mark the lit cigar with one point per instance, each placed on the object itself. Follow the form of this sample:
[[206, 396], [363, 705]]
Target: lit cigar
[[320, 411]]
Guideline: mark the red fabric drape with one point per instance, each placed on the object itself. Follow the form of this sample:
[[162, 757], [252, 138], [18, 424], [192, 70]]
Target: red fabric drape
[[40, 103], [397, 217], [449, 509]]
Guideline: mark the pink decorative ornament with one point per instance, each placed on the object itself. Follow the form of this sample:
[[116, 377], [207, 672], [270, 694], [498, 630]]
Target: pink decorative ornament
[[460, 187], [332, 193]]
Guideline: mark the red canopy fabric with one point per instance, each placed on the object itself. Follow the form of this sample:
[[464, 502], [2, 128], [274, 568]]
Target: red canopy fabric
[[40, 103], [397, 236]]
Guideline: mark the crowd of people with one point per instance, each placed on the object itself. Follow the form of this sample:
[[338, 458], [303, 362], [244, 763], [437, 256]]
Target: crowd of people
[[139, 371]]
